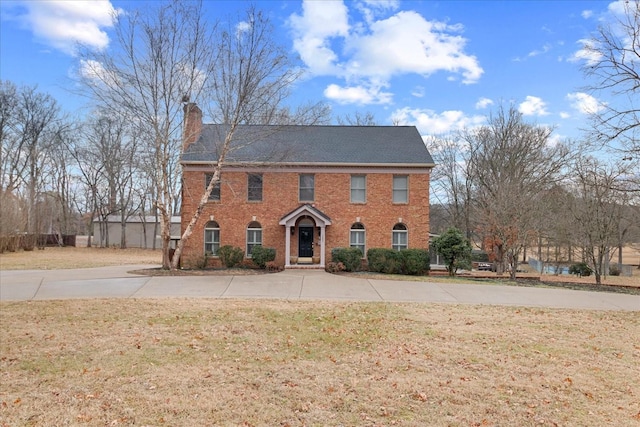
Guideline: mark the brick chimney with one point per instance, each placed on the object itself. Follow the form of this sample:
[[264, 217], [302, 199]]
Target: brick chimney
[[192, 125]]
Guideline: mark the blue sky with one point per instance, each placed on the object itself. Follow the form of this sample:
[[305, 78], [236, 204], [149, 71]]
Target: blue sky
[[439, 65]]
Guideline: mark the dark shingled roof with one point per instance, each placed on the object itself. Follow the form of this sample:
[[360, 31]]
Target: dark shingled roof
[[294, 144]]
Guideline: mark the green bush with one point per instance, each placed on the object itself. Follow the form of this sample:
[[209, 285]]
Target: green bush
[[415, 262], [350, 257], [230, 255], [580, 269], [261, 255], [454, 248], [383, 260]]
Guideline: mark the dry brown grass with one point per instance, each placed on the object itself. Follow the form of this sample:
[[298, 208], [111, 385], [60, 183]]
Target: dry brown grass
[[224, 362], [70, 257]]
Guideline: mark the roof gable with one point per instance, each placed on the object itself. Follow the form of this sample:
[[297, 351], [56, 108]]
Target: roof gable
[[305, 209], [366, 145]]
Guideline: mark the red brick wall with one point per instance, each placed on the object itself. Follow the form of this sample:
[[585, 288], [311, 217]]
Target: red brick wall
[[280, 196]]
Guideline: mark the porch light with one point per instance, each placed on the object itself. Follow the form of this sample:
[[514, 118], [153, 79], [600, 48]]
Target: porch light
[[293, 231]]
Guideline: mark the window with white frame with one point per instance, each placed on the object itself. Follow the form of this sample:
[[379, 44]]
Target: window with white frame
[[358, 188], [399, 237], [357, 237], [307, 188], [211, 238], [254, 236], [400, 189]]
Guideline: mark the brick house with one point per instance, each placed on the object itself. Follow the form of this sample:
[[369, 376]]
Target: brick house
[[305, 190]]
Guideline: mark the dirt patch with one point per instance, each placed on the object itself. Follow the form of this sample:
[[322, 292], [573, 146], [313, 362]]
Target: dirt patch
[[254, 363]]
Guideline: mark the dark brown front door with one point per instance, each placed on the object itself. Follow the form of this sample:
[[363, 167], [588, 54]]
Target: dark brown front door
[[305, 242]]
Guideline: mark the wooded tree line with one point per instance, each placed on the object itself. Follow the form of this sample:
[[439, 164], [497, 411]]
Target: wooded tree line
[[511, 189], [58, 174]]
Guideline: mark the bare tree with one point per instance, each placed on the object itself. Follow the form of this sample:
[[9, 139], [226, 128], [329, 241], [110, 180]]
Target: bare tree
[[37, 128], [158, 57], [251, 79], [451, 182], [511, 166], [614, 62], [597, 210], [358, 119], [11, 218], [63, 218]]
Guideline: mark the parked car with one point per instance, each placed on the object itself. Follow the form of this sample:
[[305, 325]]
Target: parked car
[[484, 266]]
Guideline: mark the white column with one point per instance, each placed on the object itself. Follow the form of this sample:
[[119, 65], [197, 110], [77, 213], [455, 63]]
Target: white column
[[287, 245], [322, 230]]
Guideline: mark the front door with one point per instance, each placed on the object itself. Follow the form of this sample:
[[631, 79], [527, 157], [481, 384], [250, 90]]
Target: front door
[[305, 242]]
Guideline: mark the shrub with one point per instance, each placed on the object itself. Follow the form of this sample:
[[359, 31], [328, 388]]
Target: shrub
[[614, 270], [580, 269], [415, 261], [230, 256], [274, 267], [29, 242], [334, 267], [200, 264], [454, 248], [351, 258], [383, 260], [247, 264], [261, 255]]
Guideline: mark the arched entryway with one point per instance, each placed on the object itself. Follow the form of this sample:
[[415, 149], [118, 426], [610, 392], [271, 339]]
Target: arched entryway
[[305, 227]]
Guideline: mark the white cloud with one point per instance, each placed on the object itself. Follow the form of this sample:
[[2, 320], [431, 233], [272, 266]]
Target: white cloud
[[418, 91], [95, 74], [314, 29], [533, 106], [429, 122], [546, 48], [586, 14], [564, 115], [585, 103], [619, 7], [407, 43], [586, 53], [243, 27], [357, 95], [63, 24], [370, 53], [483, 103]]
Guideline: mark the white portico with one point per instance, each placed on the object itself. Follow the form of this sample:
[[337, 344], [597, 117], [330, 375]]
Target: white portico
[[302, 225]]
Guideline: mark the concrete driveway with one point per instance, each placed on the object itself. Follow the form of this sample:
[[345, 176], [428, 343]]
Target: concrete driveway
[[116, 282]]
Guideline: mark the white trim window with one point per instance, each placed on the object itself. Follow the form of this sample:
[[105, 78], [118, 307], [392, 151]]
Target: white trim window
[[358, 188], [357, 237], [211, 238], [307, 188], [401, 189], [254, 236], [399, 239]]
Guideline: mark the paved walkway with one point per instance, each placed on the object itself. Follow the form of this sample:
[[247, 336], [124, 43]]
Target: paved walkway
[[116, 282]]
